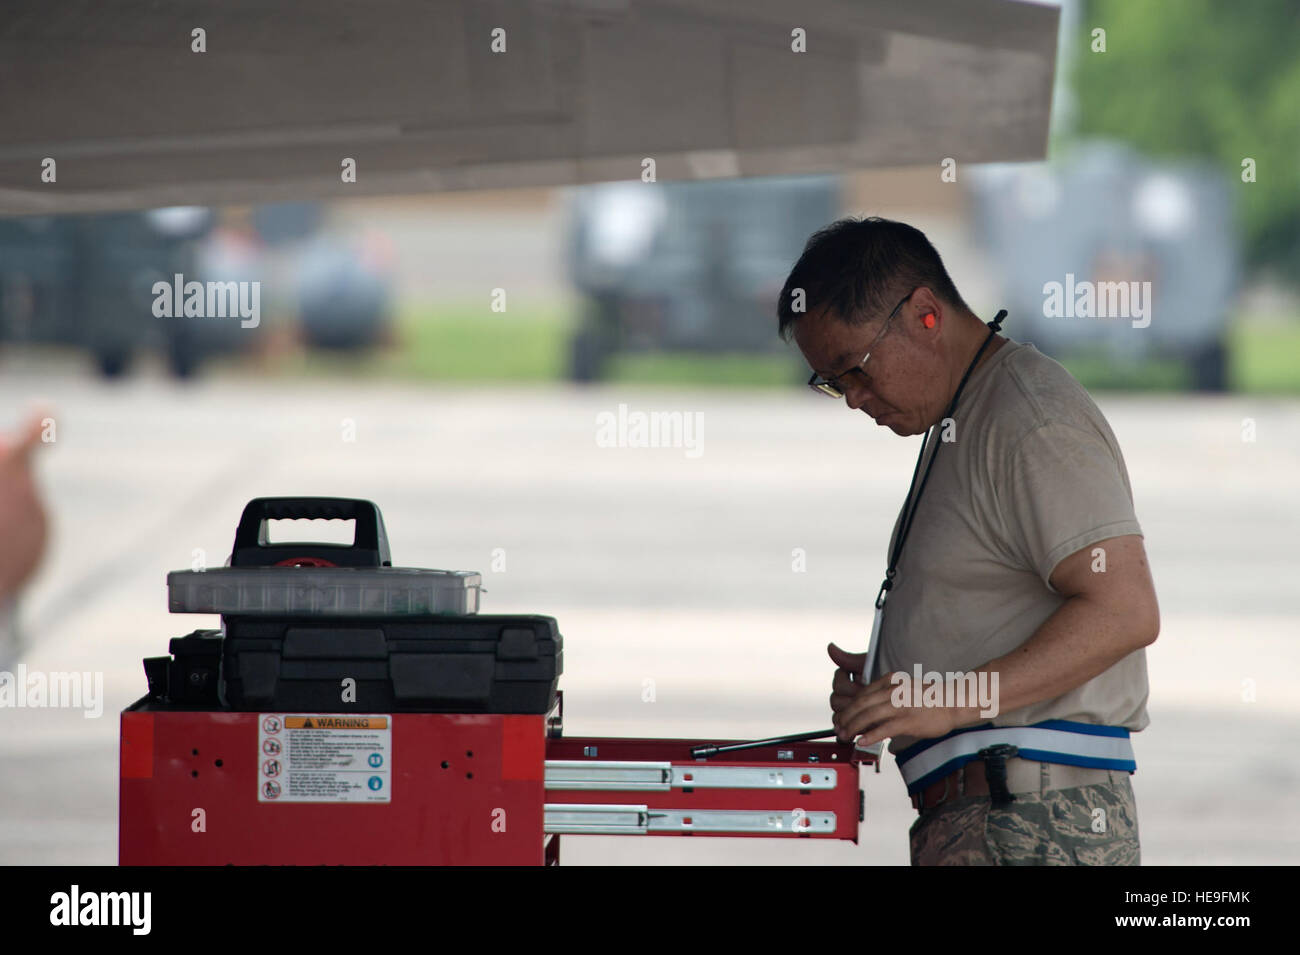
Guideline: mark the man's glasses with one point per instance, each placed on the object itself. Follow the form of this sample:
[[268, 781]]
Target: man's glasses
[[831, 386]]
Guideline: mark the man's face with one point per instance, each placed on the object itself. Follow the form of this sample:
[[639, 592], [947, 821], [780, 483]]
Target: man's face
[[900, 385]]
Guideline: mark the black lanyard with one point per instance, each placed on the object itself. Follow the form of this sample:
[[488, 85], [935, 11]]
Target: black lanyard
[[910, 505]]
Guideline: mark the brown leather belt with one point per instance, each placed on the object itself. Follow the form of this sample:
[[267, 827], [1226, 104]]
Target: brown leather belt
[[1023, 776]]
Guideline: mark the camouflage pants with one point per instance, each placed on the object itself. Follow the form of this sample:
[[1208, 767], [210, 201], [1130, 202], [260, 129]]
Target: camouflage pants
[[1086, 825]]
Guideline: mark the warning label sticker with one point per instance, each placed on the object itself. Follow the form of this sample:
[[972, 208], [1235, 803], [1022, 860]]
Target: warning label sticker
[[324, 757]]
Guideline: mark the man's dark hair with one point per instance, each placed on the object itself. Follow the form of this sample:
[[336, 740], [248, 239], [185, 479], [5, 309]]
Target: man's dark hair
[[861, 268]]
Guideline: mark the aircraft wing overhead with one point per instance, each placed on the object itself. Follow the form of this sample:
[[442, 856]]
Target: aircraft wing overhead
[[112, 91]]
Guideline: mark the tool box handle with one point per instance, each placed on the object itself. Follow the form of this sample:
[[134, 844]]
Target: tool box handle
[[369, 547]]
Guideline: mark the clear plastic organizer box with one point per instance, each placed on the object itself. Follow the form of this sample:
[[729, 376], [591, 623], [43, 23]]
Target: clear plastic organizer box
[[324, 591]]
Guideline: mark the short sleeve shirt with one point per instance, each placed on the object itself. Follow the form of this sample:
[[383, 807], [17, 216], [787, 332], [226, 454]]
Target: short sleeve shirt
[[1031, 475]]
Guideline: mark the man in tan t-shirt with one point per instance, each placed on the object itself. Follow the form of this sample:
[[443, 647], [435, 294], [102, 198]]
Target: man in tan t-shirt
[[1009, 669]]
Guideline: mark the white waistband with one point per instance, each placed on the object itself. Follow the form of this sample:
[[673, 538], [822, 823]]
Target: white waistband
[[1052, 741]]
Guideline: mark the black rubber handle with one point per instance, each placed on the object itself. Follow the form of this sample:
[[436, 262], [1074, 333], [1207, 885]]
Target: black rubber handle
[[369, 547]]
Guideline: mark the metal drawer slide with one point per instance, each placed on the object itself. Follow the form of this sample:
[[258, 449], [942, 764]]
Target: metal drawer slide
[[581, 819], [634, 775]]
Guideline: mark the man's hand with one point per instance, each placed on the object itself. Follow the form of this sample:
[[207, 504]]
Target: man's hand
[[869, 710], [22, 517], [845, 685]]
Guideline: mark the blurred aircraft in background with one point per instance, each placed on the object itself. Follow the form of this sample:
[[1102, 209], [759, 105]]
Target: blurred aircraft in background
[[691, 266], [86, 280], [327, 100], [1106, 217], [343, 104]]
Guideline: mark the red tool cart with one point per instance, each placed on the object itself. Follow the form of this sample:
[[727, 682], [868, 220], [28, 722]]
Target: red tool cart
[[463, 789], [256, 744]]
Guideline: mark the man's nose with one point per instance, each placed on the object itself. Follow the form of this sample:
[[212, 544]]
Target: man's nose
[[856, 395]]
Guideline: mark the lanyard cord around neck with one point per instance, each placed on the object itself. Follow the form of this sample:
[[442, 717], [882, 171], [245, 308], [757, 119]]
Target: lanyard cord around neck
[[910, 505]]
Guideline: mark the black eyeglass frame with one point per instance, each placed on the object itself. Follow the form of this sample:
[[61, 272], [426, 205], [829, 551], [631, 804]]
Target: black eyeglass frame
[[829, 386]]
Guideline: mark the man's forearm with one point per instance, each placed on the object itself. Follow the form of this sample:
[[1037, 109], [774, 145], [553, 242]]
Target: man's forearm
[[1080, 640]]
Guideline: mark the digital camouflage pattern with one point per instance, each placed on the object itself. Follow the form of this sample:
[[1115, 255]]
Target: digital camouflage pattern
[[1086, 825]]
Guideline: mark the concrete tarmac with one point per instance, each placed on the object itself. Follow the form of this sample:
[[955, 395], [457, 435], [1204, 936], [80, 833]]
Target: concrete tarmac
[[660, 564]]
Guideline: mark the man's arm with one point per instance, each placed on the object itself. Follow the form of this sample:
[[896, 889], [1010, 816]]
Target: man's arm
[[1107, 615], [22, 517]]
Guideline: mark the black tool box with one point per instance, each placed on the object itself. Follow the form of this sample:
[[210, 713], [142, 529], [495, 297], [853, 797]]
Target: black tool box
[[472, 664], [293, 635]]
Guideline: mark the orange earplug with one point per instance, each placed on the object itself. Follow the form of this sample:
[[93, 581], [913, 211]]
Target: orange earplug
[[929, 319]]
